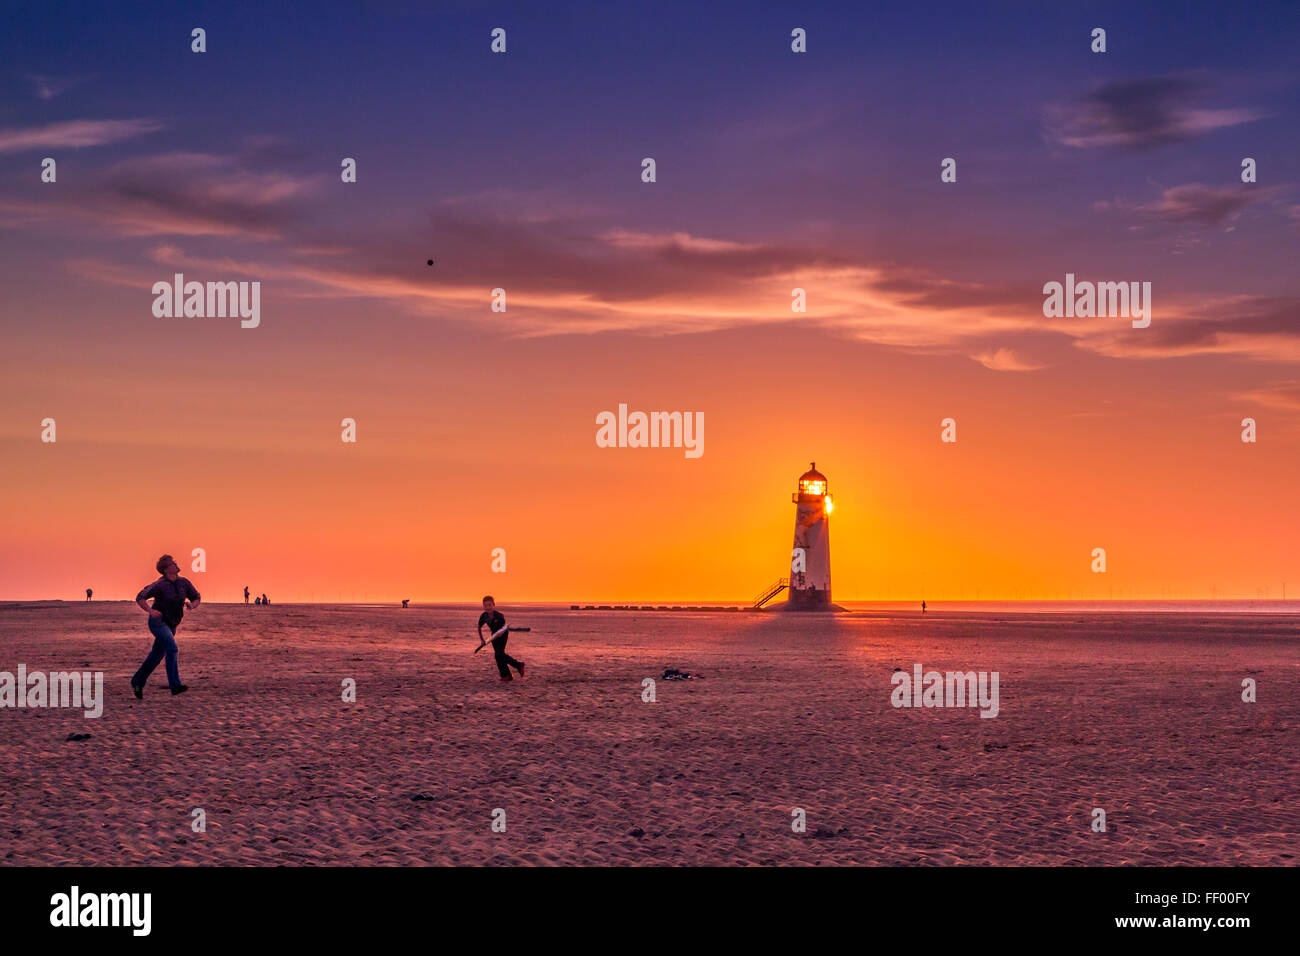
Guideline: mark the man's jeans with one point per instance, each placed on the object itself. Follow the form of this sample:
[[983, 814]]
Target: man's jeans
[[164, 645]]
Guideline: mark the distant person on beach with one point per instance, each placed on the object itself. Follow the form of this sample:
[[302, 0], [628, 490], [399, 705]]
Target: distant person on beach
[[922, 607], [258, 601], [265, 599], [406, 602], [245, 593], [89, 592], [495, 622], [169, 593]]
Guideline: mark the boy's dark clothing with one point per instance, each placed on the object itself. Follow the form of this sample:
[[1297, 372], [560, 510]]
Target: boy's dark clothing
[[495, 621], [504, 660]]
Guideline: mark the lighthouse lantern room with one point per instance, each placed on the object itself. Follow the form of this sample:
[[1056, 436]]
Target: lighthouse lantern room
[[810, 565]]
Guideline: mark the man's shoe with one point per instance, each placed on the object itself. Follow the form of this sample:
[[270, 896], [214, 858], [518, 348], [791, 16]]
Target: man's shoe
[[506, 677], [180, 689], [138, 690]]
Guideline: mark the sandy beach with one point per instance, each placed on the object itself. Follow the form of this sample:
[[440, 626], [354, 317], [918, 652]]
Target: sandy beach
[[1137, 713]]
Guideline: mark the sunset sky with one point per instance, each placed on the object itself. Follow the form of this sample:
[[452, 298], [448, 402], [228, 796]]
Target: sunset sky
[[775, 170]]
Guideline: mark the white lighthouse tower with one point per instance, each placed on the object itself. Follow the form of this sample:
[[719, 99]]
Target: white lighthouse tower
[[810, 565]]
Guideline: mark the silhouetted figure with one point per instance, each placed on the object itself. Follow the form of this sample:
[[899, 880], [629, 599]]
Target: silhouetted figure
[[922, 607], [89, 592], [245, 593], [496, 625], [169, 593], [258, 601], [405, 602], [265, 599]]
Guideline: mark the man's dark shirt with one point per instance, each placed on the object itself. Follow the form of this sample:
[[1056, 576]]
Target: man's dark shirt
[[493, 620], [169, 598]]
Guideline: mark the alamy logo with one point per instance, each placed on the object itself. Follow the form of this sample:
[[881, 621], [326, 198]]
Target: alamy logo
[[102, 909], [83, 689], [198, 300], [653, 430], [953, 689], [1103, 300]]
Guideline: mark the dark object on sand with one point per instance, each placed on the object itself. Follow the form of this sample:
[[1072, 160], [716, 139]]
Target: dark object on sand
[[825, 833], [672, 673], [77, 737]]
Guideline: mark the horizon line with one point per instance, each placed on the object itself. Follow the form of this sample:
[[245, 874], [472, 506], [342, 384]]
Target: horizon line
[[683, 605]]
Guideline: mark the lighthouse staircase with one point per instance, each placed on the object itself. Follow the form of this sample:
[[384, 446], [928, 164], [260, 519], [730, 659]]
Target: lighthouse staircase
[[771, 591]]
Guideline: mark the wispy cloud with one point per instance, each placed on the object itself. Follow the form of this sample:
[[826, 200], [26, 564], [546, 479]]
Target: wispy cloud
[[568, 274], [1195, 203], [184, 194], [1141, 114], [563, 280], [1005, 360], [1282, 395], [48, 87], [1263, 328], [74, 134]]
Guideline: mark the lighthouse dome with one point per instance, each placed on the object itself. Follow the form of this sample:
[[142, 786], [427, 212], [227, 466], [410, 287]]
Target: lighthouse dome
[[812, 482]]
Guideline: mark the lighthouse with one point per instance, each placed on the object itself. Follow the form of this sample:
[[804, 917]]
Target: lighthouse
[[810, 564]]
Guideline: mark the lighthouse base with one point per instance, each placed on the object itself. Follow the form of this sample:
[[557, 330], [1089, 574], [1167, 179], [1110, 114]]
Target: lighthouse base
[[786, 607], [809, 600]]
